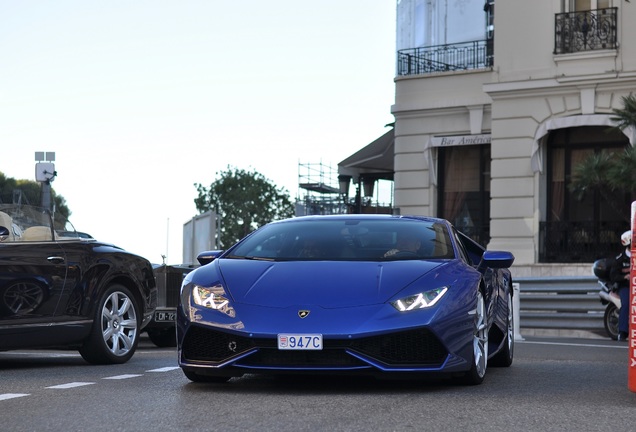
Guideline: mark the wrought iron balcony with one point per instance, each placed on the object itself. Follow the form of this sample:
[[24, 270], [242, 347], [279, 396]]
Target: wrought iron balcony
[[585, 31], [584, 242], [444, 58]]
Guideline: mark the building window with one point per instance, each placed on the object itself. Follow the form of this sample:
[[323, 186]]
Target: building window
[[489, 8], [584, 5], [580, 228], [464, 190]]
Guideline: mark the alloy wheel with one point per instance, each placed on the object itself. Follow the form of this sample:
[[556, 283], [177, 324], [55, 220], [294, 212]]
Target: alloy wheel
[[480, 337], [119, 323]]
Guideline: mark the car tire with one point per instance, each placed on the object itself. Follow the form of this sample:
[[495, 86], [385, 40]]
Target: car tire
[[163, 337], [198, 378], [115, 332], [479, 363], [504, 357]]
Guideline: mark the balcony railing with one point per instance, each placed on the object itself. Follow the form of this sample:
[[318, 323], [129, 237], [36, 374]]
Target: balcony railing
[[585, 31], [444, 58], [584, 242]]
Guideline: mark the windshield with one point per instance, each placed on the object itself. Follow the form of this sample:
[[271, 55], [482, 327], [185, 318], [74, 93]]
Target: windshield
[[30, 223], [347, 240]]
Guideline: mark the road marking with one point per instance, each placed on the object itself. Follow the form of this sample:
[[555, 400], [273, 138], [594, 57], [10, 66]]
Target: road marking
[[7, 396], [126, 376], [164, 369], [70, 385], [12, 395], [38, 354]]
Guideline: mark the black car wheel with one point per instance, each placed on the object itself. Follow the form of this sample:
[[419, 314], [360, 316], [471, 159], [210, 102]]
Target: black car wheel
[[115, 331], [610, 320], [505, 356], [163, 337], [477, 371]]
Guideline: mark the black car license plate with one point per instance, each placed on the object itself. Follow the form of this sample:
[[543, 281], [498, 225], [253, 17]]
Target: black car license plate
[[165, 316]]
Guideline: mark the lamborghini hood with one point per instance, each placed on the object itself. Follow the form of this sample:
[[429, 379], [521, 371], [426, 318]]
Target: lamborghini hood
[[319, 283]]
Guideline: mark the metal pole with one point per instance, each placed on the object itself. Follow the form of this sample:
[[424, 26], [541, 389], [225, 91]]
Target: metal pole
[[516, 307], [46, 195]]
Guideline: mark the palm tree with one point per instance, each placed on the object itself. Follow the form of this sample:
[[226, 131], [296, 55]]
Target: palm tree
[[621, 174], [597, 173], [625, 117], [592, 173]]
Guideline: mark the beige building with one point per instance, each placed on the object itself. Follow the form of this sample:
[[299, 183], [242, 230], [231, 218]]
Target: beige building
[[492, 114]]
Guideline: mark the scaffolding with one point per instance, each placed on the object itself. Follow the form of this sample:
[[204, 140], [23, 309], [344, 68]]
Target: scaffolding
[[318, 190]]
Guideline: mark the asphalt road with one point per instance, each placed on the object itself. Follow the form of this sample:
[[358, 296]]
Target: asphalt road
[[555, 384]]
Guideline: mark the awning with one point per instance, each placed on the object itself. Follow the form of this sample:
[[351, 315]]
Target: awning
[[374, 160]]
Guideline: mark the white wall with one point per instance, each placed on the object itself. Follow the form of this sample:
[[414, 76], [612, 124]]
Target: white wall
[[199, 235]]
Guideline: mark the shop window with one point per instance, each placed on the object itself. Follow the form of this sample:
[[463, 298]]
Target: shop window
[[464, 189]]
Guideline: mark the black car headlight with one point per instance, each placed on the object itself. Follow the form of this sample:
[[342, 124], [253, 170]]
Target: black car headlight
[[212, 298], [419, 301]]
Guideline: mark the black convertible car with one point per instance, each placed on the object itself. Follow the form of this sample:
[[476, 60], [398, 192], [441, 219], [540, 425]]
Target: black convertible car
[[59, 289]]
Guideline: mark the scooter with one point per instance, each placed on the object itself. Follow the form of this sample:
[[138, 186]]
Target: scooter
[[608, 296]]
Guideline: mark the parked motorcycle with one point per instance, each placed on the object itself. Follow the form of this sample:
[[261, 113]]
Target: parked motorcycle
[[608, 296]]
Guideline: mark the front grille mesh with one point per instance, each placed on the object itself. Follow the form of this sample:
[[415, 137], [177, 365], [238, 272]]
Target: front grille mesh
[[213, 346], [412, 347], [418, 346], [173, 288]]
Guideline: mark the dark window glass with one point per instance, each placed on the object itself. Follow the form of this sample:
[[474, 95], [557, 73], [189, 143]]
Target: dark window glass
[[464, 189]]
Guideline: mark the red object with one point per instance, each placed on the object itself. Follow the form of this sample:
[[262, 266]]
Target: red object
[[631, 340]]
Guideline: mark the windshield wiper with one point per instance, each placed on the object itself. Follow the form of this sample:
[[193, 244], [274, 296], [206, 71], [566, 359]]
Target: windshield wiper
[[251, 258]]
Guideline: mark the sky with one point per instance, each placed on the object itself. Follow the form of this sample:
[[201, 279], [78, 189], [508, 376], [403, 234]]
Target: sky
[[140, 100]]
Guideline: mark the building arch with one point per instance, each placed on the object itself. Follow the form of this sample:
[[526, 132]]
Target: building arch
[[536, 157], [579, 228]]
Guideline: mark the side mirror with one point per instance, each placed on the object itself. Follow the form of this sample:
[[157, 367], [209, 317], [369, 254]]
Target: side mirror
[[208, 256], [4, 233], [496, 259]]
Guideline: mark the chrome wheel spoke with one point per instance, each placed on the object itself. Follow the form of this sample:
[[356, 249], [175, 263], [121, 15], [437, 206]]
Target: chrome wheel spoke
[[119, 324], [480, 338], [511, 326]]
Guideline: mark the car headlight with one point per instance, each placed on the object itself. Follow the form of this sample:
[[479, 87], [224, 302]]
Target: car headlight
[[212, 298], [419, 301]]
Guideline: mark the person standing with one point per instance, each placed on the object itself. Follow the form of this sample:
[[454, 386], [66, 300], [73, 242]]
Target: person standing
[[620, 274]]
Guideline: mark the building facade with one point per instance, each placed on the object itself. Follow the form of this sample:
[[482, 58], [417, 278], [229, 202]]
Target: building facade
[[494, 110]]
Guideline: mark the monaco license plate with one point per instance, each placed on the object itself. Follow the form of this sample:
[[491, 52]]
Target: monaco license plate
[[299, 341], [163, 316]]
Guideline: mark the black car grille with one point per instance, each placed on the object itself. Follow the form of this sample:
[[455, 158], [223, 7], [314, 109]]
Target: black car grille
[[418, 346], [412, 347], [213, 346], [173, 287], [169, 279], [295, 359]]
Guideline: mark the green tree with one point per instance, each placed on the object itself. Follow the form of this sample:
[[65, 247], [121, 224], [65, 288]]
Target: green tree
[[625, 117], [28, 192], [244, 200]]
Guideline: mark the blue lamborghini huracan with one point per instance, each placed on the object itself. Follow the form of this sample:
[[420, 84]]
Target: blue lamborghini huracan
[[356, 294]]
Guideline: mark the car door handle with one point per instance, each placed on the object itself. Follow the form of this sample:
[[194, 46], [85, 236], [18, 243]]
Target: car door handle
[[56, 259]]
